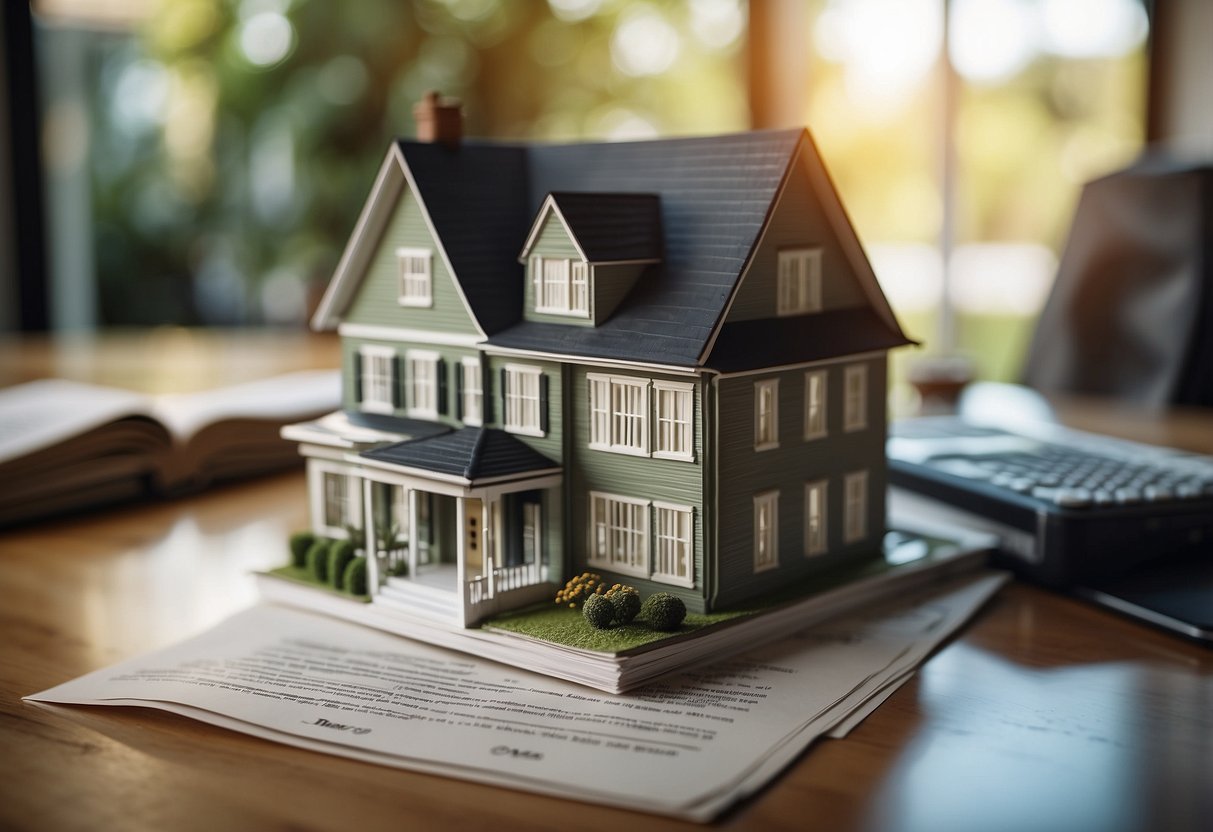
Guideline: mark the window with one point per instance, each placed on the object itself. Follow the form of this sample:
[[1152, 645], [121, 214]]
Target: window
[[855, 402], [815, 541], [423, 384], [619, 529], [471, 392], [766, 531], [766, 414], [561, 286], [799, 281], [522, 400], [415, 281], [336, 498], [619, 414], [377, 379], [815, 404], [672, 558], [855, 513], [675, 420]]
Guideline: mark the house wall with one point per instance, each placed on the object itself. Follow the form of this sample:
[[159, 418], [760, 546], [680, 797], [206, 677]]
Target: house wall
[[451, 356], [798, 221], [672, 481], [744, 472], [377, 300]]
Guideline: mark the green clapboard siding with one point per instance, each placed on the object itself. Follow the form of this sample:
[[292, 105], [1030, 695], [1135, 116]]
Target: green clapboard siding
[[744, 473], [798, 221], [661, 480], [450, 356], [377, 299]]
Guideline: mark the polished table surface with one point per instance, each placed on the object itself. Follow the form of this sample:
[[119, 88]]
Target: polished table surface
[[1043, 714]]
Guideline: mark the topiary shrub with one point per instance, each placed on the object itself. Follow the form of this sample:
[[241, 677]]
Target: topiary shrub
[[341, 552], [354, 577], [318, 560], [598, 612], [300, 542], [663, 611], [625, 600]]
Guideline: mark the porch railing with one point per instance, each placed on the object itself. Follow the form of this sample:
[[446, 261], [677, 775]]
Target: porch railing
[[503, 579]]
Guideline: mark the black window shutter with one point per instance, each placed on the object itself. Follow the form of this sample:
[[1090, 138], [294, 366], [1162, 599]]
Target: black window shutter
[[357, 377], [443, 405], [459, 391], [397, 380], [543, 402], [486, 391]]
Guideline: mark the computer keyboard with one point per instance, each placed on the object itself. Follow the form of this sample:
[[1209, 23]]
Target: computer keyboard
[[1068, 506]]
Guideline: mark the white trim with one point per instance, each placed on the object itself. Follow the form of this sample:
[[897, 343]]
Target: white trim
[[806, 281], [821, 431], [604, 560], [473, 365], [523, 429], [368, 352], [763, 563], [549, 204], [665, 577], [645, 261], [404, 334], [660, 385], [537, 278], [855, 407], [855, 506], [590, 360], [413, 359], [316, 470], [761, 444], [800, 365], [403, 253], [817, 544], [613, 416]]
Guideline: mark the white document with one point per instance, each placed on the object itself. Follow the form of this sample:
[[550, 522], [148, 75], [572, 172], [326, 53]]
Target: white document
[[689, 746]]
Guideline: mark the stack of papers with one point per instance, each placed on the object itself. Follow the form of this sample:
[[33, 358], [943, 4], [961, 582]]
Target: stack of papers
[[688, 747]]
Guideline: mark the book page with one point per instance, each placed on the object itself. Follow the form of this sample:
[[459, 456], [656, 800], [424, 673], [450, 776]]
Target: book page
[[687, 746], [43, 413]]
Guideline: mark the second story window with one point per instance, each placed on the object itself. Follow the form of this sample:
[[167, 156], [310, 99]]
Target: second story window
[[423, 384], [619, 414], [675, 420], [524, 405], [416, 283], [561, 286], [766, 414], [799, 281], [377, 379], [471, 392], [855, 403], [815, 404]]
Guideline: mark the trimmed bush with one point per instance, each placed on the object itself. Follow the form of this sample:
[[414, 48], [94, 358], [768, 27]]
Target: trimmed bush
[[318, 560], [598, 611], [664, 611], [300, 542], [626, 602], [399, 569], [341, 552], [354, 578]]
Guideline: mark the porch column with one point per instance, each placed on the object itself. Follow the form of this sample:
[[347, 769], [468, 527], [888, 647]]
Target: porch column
[[368, 538], [461, 555], [413, 534]]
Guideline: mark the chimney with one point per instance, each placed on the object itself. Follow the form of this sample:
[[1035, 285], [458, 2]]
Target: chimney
[[438, 119]]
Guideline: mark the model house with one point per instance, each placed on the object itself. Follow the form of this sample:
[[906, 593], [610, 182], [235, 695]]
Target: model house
[[663, 361]]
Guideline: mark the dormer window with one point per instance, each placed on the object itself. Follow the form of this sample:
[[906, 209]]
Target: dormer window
[[562, 286], [416, 282], [799, 281]]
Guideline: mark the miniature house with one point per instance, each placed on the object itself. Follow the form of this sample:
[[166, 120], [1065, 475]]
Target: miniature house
[[663, 361]]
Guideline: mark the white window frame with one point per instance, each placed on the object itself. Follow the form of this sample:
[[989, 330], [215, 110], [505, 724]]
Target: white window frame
[[855, 507], [319, 472], [471, 391], [377, 380], [619, 414], [855, 398], [816, 402], [522, 407], [415, 286], [616, 542], [422, 374], [816, 536], [766, 531], [674, 432], [799, 281], [561, 286], [766, 419], [673, 543]]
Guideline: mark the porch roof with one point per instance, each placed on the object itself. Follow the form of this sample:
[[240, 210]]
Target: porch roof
[[469, 453]]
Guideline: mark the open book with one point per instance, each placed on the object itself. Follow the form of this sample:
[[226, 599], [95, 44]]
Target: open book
[[66, 445]]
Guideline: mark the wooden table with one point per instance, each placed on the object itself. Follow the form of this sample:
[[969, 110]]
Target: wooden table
[[1044, 714]]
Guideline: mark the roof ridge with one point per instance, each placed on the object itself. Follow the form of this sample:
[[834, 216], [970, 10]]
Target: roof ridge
[[477, 450]]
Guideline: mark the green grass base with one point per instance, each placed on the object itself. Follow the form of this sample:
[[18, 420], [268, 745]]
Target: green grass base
[[301, 575]]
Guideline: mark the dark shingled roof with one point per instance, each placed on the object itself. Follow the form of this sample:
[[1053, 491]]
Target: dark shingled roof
[[412, 428], [471, 453], [613, 227]]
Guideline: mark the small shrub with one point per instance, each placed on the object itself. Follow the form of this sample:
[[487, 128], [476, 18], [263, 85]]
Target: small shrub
[[625, 600], [300, 542], [580, 588], [399, 569], [354, 578], [318, 560], [341, 552], [598, 611], [664, 611]]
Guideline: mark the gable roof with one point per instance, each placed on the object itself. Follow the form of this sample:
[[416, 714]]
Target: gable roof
[[470, 454], [605, 228], [713, 197]]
